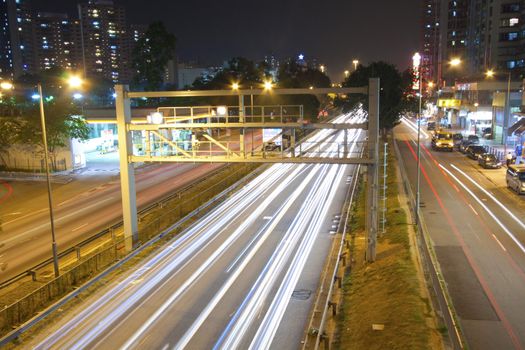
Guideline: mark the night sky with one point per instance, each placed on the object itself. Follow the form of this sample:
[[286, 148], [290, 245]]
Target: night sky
[[333, 31]]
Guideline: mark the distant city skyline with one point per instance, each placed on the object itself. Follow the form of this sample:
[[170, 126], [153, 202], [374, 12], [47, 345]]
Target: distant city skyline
[[334, 32]]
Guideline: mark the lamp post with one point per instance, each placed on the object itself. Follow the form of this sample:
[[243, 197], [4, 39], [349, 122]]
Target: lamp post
[[417, 69], [74, 82], [48, 180]]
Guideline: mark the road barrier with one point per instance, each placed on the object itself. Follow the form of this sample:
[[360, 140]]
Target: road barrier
[[334, 272]]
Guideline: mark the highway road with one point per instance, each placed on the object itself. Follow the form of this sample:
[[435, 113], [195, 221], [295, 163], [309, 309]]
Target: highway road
[[26, 237], [477, 228], [244, 276]]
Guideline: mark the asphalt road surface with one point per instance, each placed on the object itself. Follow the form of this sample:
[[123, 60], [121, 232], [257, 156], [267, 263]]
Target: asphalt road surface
[[477, 228], [244, 276], [26, 239]]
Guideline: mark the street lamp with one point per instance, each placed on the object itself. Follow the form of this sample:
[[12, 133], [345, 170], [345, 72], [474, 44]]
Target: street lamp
[[347, 73], [455, 62], [74, 82], [416, 60], [235, 86], [355, 63], [268, 85], [323, 68], [5, 85]]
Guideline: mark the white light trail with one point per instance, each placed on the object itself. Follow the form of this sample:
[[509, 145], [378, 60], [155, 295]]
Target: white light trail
[[480, 202], [505, 209]]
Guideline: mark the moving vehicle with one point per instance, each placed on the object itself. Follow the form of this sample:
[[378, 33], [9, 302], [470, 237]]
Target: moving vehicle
[[431, 126], [516, 178], [474, 151], [489, 161], [442, 140], [271, 146]]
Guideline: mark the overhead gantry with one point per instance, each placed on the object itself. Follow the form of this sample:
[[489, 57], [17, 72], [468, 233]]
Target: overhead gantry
[[158, 139]]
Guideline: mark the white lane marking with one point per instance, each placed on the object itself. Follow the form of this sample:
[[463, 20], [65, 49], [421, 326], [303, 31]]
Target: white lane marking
[[491, 196], [61, 218], [15, 213], [267, 217], [166, 346], [25, 216], [498, 221], [474, 210], [79, 227], [497, 240]]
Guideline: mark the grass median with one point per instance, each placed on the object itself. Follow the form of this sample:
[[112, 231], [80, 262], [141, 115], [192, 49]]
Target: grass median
[[385, 304]]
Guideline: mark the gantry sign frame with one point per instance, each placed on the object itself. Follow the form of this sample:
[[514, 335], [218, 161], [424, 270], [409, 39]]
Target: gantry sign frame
[[127, 159]]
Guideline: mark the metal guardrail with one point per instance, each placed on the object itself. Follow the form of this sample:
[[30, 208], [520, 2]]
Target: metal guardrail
[[430, 258]]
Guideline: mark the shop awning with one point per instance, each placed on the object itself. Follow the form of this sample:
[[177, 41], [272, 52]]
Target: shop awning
[[518, 128]]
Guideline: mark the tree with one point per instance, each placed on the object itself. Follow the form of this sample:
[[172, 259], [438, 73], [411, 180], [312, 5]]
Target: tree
[[410, 101], [293, 75], [151, 55], [62, 124], [391, 93], [9, 129]]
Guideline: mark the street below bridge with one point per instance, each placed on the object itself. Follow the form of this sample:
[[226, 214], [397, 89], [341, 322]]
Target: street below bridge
[[477, 231]]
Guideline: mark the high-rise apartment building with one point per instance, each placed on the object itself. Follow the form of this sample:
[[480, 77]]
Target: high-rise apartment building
[[104, 40], [430, 40], [58, 42], [16, 35], [483, 34]]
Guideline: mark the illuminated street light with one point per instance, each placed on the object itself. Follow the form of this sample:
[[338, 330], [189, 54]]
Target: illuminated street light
[[455, 62], [430, 84], [347, 73], [311, 87], [268, 85], [155, 118], [235, 86], [355, 63], [35, 97], [77, 96], [5, 85], [490, 73], [323, 68], [222, 110], [75, 81]]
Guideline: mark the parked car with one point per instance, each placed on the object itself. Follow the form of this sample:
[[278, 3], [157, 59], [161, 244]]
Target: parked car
[[463, 145], [474, 139], [516, 178], [457, 139], [489, 161], [474, 151]]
